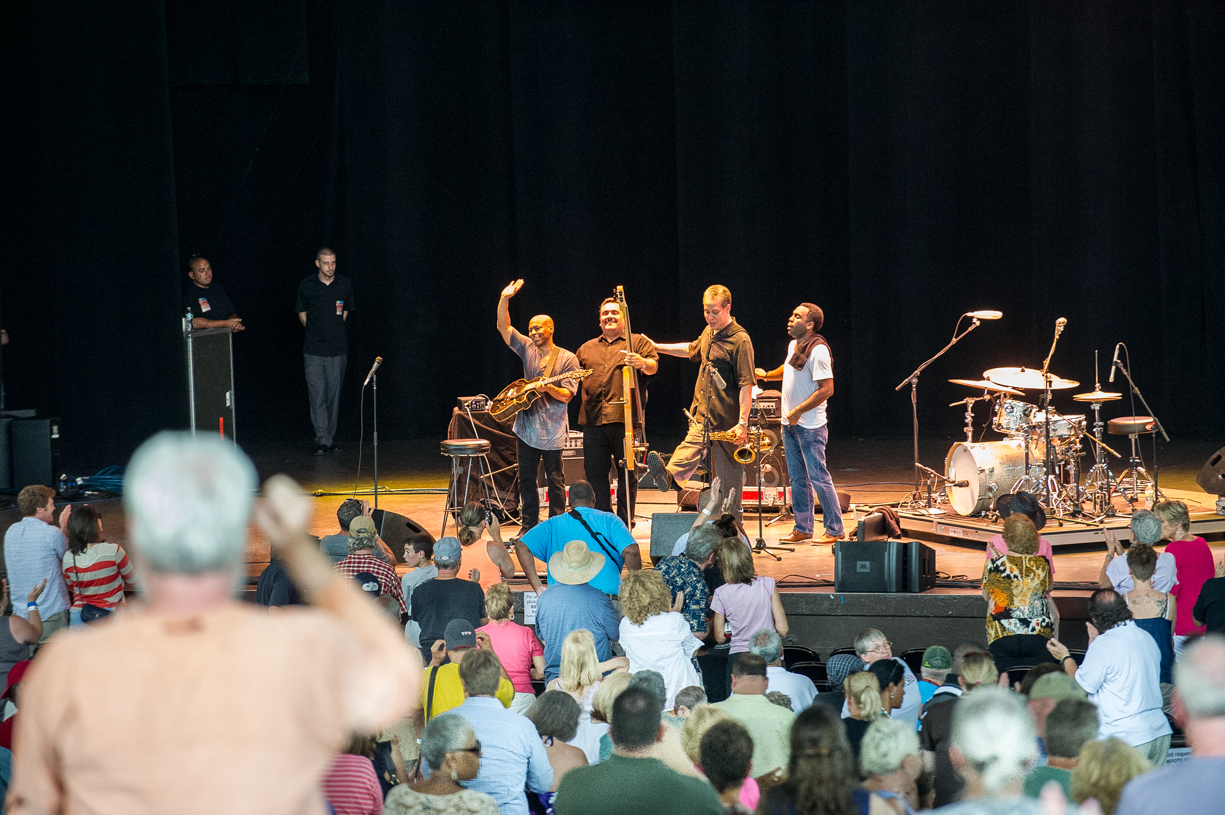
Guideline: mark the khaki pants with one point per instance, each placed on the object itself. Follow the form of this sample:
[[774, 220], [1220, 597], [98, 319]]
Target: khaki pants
[[1155, 750], [50, 625], [688, 455]]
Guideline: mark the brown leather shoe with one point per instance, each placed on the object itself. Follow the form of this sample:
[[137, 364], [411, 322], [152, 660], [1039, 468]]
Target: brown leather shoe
[[795, 537], [828, 538]]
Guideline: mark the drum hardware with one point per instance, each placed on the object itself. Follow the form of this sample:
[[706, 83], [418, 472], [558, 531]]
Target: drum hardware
[[1013, 416], [969, 403], [987, 385], [1099, 483], [976, 317], [1153, 426]]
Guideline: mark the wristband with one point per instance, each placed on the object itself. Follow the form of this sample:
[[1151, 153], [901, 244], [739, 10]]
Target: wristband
[[1065, 659], [31, 604]]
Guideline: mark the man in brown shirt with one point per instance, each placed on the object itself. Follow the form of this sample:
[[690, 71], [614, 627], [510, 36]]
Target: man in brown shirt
[[194, 702], [602, 420], [729, 378]]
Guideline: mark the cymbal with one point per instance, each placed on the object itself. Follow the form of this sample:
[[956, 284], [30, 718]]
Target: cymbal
[[1026, 378], [1097, 396], [984, 384]]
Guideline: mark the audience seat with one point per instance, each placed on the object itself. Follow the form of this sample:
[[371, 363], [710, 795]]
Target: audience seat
[[914, 660], [795, 654], [814, 671], [836, 651]]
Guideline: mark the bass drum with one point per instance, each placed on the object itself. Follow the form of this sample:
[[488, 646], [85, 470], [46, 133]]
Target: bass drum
[[990, 469]]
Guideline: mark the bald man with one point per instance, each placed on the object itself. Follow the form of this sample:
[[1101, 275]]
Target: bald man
[[543, 428]]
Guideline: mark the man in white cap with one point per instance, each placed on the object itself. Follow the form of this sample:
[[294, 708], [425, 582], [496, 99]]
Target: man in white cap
[[572, 603]]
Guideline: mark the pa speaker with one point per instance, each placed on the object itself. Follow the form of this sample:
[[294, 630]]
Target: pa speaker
[[772, 463], [666, 528], [394, 530], [888, 566], [1211, 478], [35, 449]]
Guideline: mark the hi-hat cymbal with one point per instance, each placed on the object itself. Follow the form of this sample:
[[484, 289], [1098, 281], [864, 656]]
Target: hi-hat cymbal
[[985, 385], [1097, 396], [1026, 378]]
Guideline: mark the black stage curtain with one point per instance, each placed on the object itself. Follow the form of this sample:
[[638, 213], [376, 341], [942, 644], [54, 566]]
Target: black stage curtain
[[897, 163]]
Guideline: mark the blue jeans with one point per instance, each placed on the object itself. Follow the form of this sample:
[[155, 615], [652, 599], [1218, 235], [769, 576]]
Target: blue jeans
[[805, 450]]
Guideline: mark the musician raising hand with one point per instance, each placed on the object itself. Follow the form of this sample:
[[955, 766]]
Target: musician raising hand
[[543, 428]]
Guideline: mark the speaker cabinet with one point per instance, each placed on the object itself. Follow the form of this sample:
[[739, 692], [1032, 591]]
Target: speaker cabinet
[[887, 567], [35, 448], [394, 530], [772, 463], [666, 527]]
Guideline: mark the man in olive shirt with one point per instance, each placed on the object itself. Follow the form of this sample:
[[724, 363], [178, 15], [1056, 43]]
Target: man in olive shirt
[[324, 302], [602, 419], [629, 783], [730, 378]]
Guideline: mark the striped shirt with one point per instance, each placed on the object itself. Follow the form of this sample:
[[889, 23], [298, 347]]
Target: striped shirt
[[364, 561], [99, 576], [351, 786], [32, 551]]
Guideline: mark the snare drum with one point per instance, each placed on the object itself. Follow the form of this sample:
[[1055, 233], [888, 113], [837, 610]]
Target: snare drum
[[1013, 417], [989, 468], [1063, 428]]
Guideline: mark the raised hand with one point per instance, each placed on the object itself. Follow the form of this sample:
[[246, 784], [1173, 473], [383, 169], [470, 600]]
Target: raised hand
[[729, 501], [512, 288], [34, 592], [284, 513]]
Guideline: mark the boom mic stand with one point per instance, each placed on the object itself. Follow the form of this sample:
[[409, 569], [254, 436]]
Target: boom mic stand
[[913, 381], [1118, 363]]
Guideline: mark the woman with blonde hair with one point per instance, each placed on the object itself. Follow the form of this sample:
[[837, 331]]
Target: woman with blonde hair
[[473, 520], [1192, 563], [515, 645], [1104, 769], [747, 601], [580, 676], [977, 671], [863, 701], [601, 712], [655, 635]]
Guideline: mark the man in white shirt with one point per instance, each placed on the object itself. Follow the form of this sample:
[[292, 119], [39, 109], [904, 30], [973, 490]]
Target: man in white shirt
[[1121, 674], [768, 645], [808, 383]]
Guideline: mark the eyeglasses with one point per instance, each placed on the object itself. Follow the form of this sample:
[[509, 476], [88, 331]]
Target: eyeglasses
[[881, 646], [475, 749]]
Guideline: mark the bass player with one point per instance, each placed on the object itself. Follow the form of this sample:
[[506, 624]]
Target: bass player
[[726, 355], [543, 428], [602, 413]]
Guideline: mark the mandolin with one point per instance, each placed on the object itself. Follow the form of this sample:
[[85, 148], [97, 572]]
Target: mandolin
[[522, 393]]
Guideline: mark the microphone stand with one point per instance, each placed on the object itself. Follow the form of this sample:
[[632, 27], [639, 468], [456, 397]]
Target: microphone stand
[[374, 379], [760, 547], [913, 380], [1156, 422], [1047, 462]]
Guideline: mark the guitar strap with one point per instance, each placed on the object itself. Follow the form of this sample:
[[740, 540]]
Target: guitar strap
[[609, 550], [546, 368]]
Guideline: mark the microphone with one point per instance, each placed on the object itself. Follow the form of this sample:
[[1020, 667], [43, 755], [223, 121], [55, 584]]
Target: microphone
[[719, 381], [1060, 324], [377, 362], [985, 315], [959, 483], [1114, 363]]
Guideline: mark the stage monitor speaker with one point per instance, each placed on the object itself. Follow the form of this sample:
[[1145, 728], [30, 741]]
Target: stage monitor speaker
[[772, 463], [1211, 478], [666, 527], [35, 448], [889, 567], [394, 530]]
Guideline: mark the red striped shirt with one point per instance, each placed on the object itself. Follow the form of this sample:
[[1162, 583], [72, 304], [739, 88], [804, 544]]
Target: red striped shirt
[[100, 575], [352, 787]]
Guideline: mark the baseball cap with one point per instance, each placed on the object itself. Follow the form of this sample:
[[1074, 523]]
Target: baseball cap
[[938, 658], [1057, 686], [460, 634], [446, 551]]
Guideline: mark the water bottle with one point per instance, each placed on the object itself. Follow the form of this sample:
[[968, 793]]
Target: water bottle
[[187, 318]]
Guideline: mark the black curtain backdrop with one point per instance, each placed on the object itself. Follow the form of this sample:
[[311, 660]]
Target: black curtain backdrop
[[896, 163]]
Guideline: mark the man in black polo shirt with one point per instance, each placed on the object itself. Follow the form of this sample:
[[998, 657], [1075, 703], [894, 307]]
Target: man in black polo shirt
[[324, 302], [603, 422], [729, 378], [207, 301]]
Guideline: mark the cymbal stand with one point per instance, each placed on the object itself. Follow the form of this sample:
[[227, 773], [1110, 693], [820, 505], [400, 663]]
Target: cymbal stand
[[969, 403], [1137, 471], [1099, 482], [914, 499]]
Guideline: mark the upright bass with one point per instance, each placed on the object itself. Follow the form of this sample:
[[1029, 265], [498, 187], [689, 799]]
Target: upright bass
[[629, 385]]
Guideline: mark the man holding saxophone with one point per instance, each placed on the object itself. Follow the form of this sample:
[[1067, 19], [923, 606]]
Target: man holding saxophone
[[725, 353], [808, 382]]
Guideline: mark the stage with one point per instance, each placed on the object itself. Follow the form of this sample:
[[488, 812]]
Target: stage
[[413, 478]]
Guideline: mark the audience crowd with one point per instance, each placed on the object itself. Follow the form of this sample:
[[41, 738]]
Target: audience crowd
[[166, 694]]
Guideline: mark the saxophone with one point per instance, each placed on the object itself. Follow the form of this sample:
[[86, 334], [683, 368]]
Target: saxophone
[[747, 453]]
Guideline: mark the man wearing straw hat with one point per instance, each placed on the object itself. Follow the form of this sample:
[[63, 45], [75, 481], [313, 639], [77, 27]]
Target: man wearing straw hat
[[572, 603]]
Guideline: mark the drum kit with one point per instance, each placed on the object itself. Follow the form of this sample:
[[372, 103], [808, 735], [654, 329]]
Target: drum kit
[[1040, 452]]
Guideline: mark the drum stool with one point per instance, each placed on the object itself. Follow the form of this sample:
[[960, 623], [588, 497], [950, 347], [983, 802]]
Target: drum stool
[[1134, 479], [465, 454]]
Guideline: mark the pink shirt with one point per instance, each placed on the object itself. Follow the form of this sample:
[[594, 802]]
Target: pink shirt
[[1044, 549], [747, 608], [1193, 560], [515, 646]]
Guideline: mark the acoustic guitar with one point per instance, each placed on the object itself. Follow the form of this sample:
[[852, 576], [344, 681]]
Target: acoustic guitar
[[522, 393]]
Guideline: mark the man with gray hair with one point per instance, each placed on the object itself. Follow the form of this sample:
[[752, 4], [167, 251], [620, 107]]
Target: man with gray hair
[[683, 574], [217, 695], [1145, 528], [768, 645], [1198, 784]]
